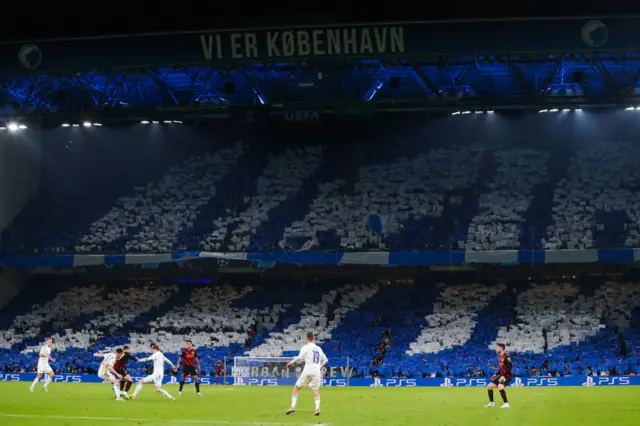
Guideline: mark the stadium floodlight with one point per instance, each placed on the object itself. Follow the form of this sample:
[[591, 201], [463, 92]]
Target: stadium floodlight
[[66, 125], [87, 124], [629, 108], [466, 112], [155, 122], [22, 126], [490, 112], [553, 110], [75, 125], [578, 109], [177, 121], [566, 109], [13, 127], [97, 125], [144, 122], [167, 121], [455, 113], [543, 110], [479, 112]]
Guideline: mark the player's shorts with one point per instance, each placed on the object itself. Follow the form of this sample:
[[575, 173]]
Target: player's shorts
[[496, 380], [313, 380], [44, 369], [156, 379], [123, 372], [189, 370], [106, 375]]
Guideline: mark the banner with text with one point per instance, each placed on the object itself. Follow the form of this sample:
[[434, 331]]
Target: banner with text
[[370, 382], [304, 43]]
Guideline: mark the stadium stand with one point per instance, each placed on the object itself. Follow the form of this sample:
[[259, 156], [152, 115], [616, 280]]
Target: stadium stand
[[502, 209], [159, 211], [241, 198], [388, 329], [283, 177], [596, 203], [406, 194]]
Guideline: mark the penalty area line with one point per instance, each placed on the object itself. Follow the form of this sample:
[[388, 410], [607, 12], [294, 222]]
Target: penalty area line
[[150, 420]]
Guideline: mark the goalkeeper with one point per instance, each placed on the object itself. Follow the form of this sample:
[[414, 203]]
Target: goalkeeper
[[314, 359]]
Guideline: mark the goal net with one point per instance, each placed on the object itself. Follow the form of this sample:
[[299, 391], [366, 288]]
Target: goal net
[[261, 370], [273, 371]]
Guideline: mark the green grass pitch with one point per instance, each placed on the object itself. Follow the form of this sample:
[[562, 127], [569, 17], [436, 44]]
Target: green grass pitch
[[69, 404]]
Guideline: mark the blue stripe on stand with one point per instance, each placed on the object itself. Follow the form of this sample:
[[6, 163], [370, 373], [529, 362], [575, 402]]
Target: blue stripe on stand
[[426, 258]]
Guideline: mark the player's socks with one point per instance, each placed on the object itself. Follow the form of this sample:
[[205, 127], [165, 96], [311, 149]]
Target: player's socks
[[294, 401], [165, 393], [33, 385], [138, 389], [116, 391], [490, 392], [122, 383], [197, 387], [503, 394], [317, 402], [181, 385], [127, 386], [47, 380]]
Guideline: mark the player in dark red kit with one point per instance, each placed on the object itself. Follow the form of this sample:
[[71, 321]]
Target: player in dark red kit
[[191, 360], [121, 368], [502, 379]]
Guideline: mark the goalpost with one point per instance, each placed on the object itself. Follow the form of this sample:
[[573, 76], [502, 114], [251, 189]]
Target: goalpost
[[273, 371], [261, 370]]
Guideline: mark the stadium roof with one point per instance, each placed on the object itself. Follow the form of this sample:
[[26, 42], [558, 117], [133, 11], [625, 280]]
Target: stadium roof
[[352, 68]]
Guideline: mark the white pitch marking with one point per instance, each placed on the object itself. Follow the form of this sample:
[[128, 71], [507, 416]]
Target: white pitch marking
[[129, 419]]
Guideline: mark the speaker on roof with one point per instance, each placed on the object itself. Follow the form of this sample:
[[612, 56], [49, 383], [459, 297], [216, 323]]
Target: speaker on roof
[[394, 82]]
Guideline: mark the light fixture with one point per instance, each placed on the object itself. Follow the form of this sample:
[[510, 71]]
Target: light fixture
[[566, 109], [578, 109], [155, 122], [13, 127], [455, 113], [629, 108], [66, 125], [177, 121], [87, 124], [22, 126], [75, 125], [553, 110], [479, 112], [489, 112], [144, 122], [544, 110], [167, 121], [97, 125], [466, 112]]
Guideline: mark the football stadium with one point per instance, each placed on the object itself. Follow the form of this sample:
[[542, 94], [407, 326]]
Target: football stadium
[[369, 224]]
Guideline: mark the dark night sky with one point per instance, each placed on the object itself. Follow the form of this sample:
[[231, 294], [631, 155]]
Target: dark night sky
[[118, 17]]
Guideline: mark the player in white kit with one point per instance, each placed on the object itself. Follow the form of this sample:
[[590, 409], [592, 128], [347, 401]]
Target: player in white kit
[[156, 377], [314, 359], [43, 366], [109, 374]]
